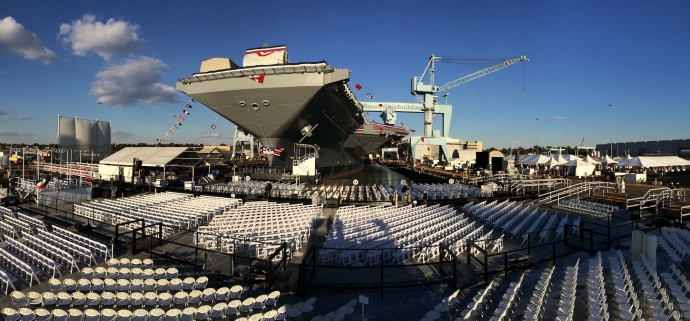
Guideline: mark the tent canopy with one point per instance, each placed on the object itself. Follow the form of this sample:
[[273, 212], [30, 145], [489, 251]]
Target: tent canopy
[[154, 156], [590, 160], [608, 160], [654, 161]]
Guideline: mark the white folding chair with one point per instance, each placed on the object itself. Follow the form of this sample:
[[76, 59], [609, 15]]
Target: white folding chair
[[173, 315], [156, 314]]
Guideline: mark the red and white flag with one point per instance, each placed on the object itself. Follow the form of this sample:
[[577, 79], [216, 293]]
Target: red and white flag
[[259, 78], [42, 184], [369, 95], [181, 117], [422, 139], [277, 151], [213, 126], [185, 111]]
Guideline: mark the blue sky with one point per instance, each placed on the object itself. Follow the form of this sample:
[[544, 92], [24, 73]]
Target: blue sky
[[55, 59]]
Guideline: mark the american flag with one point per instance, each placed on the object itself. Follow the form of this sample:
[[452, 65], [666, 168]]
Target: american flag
[[277, 151], [369, 95]]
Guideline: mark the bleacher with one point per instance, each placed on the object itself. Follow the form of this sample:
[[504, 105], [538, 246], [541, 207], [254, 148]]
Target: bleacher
[[590, 208]]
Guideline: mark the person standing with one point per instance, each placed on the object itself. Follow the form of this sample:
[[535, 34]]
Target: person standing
[[267, 190]]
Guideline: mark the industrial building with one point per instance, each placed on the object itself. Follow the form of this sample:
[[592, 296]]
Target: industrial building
[[677, 147]]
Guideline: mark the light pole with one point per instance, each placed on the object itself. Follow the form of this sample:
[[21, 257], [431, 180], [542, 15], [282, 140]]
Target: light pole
[[537, 136], [616, 140], [611, 127]]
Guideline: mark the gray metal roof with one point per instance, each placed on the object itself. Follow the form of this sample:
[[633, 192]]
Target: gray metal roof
[[154, 156]]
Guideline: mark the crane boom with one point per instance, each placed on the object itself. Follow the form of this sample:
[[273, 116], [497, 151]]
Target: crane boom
[[428, 90], [481, 73]]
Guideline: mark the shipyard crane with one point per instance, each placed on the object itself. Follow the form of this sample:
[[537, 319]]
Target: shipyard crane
[[428, 90]]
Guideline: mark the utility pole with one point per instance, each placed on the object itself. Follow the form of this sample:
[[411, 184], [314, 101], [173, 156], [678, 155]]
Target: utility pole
[[611, 127], [537, 136]]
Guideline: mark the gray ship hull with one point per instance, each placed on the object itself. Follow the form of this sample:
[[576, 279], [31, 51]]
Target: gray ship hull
[[280, 110]]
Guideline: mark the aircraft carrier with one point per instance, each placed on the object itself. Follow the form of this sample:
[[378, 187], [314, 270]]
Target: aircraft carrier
[[298, 111]]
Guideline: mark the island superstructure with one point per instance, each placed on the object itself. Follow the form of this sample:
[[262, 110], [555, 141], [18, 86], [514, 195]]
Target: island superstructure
[[305, 115]]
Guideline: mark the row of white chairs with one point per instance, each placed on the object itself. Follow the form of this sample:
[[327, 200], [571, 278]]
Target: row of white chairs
[[20, 268], [100, 249], [520, 221], [65, 258], [511, 298], [537, 304], [76, 249], [6, 281], [476, 309], [596, 290], [566, 305], [127, 285], [259, 228], [626, 297], [586, 207], [33, 257], [654, 292]]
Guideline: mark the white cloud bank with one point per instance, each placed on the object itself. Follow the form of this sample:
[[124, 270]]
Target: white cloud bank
[[133, 81], [558, 118], [109, 39], [16, 39]]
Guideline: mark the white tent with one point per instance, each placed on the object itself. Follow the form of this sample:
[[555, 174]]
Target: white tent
[[552, 162], [590, 160], [537, 159], [578, 167], [570, 157], [608, 160], [561, 160], [654, 161]]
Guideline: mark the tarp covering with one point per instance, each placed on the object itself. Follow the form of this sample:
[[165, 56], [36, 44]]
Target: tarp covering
[[83, 136], [654, 161]]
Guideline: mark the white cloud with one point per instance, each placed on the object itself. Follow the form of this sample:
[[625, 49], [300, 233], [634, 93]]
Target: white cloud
[[6, 133], [106, 39], [132, 81], [558, 118], [120, 134], [213, 135], [16, 39]]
